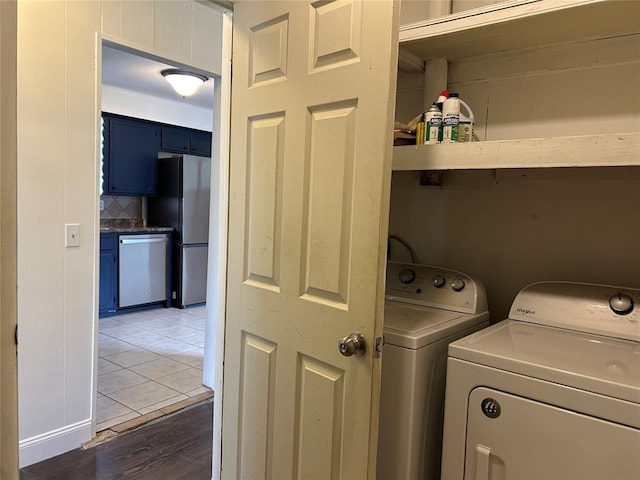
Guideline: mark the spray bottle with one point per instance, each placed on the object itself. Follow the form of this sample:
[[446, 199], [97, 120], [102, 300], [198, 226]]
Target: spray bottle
[[444, 94]]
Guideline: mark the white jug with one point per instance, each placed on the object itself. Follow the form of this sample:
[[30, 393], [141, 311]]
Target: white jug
[[465, 129]]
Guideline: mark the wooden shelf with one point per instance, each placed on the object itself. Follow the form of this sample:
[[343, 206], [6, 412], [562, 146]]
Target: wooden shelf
[[577, 151], [517, 25]]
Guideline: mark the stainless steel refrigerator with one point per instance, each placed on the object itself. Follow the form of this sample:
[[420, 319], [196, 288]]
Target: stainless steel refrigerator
[[182, 202]]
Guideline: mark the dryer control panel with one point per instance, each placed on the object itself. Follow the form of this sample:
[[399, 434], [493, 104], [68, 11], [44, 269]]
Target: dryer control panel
[[434, 287], [601, 309]]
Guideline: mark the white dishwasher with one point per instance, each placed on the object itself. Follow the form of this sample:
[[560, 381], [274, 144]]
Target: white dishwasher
[[142, 269]]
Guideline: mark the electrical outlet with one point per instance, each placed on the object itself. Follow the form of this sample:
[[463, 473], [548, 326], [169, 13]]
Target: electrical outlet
[[72, 235], [101, 205]]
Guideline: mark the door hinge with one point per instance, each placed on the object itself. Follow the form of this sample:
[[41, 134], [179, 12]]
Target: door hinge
[[16, 335], [379, 345]]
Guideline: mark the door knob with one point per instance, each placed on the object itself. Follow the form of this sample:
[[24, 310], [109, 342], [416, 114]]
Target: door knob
[[353, 344]]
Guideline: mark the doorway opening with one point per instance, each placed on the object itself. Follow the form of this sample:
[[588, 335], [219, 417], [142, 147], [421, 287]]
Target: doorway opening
[[151, 362]]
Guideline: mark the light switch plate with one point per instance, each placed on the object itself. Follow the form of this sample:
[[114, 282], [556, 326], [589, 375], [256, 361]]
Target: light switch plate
[[72, 235]]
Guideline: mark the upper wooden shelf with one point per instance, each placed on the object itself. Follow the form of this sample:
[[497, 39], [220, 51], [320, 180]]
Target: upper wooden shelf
[[518, 24], [576, 151]]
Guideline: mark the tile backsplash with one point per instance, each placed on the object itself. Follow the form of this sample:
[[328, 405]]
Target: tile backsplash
[[117, 207]]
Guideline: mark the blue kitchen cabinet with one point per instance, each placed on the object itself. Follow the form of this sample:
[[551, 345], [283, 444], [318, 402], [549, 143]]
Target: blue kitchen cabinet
[[186, 140], [200, 143], [108, 274], [130, 154], [175, 140]]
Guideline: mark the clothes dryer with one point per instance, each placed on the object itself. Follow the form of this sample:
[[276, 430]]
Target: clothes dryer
[[552, 393], [426, 308]]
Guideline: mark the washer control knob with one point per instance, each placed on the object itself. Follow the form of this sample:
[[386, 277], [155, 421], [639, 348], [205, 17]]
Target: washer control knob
[[438, 281], [491, 408], [457, 284], [621, 303], [407, 275]]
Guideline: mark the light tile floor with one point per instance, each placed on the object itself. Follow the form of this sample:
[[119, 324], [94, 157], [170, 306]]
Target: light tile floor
[[147, 361]]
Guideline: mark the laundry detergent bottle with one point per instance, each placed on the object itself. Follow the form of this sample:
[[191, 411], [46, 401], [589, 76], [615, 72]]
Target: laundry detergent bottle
[[451, 118], [465, 126]]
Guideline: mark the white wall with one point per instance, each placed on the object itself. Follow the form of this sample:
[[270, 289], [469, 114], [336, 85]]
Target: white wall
[[511, 228], [140, 105], [58, 155], [57, 184]]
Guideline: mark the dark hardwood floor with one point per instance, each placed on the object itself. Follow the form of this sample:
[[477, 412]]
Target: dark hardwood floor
[[176, 447]]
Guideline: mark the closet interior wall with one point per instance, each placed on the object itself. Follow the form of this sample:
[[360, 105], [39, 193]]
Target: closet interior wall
[[512, 227]]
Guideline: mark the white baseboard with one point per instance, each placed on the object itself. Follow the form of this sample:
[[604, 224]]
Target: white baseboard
[[55, 442]]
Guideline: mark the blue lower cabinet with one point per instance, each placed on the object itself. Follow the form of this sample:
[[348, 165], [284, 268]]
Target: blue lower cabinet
[[108, 275]]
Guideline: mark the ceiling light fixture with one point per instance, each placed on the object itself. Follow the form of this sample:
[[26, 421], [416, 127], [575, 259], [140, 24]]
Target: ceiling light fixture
[[185, 83]]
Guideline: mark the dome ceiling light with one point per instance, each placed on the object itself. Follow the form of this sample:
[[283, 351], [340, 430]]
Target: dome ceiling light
[[185, 83]]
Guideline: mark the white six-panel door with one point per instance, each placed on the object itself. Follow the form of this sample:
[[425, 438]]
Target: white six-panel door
[[313, 91]]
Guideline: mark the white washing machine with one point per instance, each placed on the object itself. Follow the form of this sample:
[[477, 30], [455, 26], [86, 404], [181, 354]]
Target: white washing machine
[[426, 308], [551, 393]]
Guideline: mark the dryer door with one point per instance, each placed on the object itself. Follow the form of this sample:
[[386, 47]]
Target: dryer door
[[511, 437]]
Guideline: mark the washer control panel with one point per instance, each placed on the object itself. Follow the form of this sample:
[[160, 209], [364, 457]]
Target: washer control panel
[[435, 287], [601, 309]]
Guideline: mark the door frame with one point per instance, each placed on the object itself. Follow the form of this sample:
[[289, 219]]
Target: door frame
[[218, 225], [8, 242]]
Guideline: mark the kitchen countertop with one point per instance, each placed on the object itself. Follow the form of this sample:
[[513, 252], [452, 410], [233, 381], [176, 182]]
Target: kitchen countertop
[[135, 229]]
